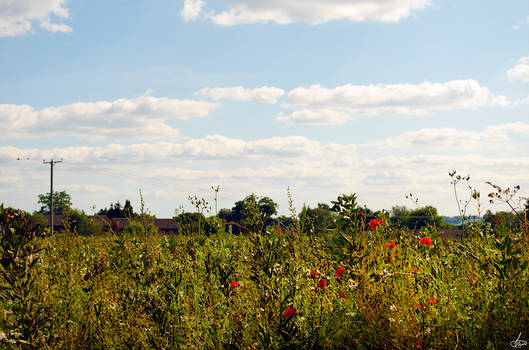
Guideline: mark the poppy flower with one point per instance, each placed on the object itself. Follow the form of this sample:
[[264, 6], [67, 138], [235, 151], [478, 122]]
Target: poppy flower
[[432, 301], [322, 284], [288, 312], [340, 272], [234, 285], [341, 294], [373, 224], [426, 241], [313, 273], [361, 213], [391, 245], [420, 305], [174, 251], [418, 346], [414, 270]]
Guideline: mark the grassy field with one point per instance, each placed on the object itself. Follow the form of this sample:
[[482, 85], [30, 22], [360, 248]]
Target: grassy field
[[361, 286]]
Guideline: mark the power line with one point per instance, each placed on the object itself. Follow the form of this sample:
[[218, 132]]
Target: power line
[[51, 163]]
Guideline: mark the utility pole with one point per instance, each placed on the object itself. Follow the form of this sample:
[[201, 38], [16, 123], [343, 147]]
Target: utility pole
[[51, 163]]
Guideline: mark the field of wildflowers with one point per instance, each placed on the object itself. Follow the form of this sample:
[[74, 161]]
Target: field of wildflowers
[[365, 285]]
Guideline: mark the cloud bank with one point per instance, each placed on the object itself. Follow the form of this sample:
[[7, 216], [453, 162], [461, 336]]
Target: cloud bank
[[319, 105], [17, 17], [134, 118], [305, 11], [265, 94]]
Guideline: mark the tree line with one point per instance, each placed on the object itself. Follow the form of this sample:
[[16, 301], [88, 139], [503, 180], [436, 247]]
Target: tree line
[[321, 219]]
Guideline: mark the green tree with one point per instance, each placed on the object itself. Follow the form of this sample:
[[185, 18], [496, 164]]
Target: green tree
[[417, 218], [61, 200], [188, 223], [501, 221], [237, 216], [322, 218], [84, 225], [400, 215], [267, 207], [117, 211]]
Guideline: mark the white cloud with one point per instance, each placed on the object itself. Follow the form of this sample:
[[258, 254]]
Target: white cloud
[[192, 9], [169, 171], [265, 94], [16, 17], [138, 118], [56, 28], [320, 105], [211, 146], [520, 71], [315, 117], [315, 11], [514, 128], [445, 138]]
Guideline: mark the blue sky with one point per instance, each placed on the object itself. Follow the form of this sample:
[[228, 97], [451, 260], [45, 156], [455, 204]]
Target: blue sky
[[377, 97]]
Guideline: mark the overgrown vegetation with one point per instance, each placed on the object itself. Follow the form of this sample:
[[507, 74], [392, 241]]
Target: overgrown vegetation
[[363, 281]]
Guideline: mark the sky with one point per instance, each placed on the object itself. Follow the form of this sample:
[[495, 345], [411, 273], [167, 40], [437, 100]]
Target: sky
[[381, 98]]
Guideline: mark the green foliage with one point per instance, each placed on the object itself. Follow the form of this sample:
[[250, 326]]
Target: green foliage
[[349, 218], [189, 223], [82, 224], [137, 228], [117, 211], [263, 207], [25, 319], [40, 222], [61, 200], [501, 221], [417, 218], [322, 218]]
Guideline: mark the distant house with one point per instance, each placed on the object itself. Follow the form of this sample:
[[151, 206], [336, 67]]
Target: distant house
[[166, 226], [57, 222], [117, 225]]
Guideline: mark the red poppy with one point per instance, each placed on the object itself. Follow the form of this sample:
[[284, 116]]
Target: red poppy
[[174, 251], [426, 241], [397, 254], [418, 346], [373, 224], [340, 272], [391, 245], [432, 301], [420, 305], [361, 213], [313, 273], [289, 312], [322, 284], [341, 294], [414, 270], [234, 285]]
